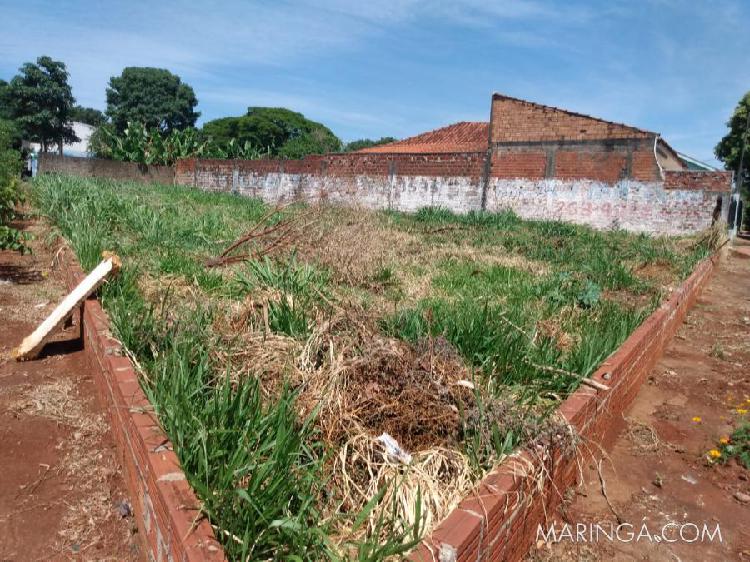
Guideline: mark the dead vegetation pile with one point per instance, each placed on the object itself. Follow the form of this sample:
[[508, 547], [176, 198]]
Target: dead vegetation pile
[[363, 388], [358, 379], [395, 414]]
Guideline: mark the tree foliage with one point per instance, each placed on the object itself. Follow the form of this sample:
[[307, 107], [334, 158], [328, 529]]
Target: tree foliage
[[729, 148], [279, 131], [10, 194], [6, 111], [41, 101], [137, 143], [150, 146], [367, 143], [152, 96], [88, 115]]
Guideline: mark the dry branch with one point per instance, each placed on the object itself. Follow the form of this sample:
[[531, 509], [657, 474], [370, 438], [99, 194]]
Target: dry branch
[[263, 238]]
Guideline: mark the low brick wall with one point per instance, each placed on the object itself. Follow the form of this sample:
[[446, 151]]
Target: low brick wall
[[166, 508], [101, 168], [500, 520]]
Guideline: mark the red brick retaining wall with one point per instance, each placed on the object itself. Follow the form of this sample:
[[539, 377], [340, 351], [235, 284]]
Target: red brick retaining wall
[[497, 522], [165, 505], [500, 520]]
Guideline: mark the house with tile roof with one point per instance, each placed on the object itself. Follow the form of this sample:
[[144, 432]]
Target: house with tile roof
[[464, 136]]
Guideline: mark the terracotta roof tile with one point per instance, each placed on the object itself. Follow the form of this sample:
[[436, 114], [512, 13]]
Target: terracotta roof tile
[[465, 136]]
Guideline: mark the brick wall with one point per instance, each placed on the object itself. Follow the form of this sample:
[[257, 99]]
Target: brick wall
[[530, 164], [100, 168], [699, 180], [632, 205], [405, 182], [408, 182], [514, 120]]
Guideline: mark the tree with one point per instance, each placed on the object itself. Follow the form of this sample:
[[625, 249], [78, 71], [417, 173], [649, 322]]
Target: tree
[[6, 111], [41, 101], [153, 97], [730, 147], [88, 115], [367, 143], [281, 131]]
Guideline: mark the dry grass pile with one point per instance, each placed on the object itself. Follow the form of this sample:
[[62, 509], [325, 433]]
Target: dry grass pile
[[713, 237], [438, 477], [355, 245], [361, 385], [354, 376], [362, 380]]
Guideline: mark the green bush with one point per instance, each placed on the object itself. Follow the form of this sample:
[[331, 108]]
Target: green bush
[[738, 446], [10, 193]]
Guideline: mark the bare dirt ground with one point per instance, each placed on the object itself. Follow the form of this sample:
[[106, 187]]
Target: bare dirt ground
[[62, 494], [658, 469]]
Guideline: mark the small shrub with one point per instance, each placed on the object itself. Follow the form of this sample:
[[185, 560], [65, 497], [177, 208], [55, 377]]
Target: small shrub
[[717, 351], [434, 215], [590, 295], [10, 193], [737, 446]]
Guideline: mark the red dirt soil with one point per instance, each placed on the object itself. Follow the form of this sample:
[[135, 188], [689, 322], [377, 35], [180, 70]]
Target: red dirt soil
[[62, 494], [657, 471]]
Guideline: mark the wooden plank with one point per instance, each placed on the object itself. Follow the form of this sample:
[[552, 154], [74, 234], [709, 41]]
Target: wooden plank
[[32, 344]]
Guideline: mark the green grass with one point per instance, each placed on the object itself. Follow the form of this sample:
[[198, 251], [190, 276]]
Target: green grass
[[530, 306]]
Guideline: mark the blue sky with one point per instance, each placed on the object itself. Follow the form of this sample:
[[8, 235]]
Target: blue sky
[[400, 67]]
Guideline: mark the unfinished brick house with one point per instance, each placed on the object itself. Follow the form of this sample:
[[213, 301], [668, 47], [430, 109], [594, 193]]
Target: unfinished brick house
[[542, 162]]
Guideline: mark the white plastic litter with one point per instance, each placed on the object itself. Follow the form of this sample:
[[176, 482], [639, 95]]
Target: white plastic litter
[[393, 450]]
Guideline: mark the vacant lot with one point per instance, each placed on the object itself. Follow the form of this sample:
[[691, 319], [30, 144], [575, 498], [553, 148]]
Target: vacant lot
[[276, 365]]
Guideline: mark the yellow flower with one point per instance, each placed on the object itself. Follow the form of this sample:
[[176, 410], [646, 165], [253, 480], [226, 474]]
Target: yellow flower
[[724, 440], [714, 454], [697, 419], [741, 411]]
